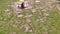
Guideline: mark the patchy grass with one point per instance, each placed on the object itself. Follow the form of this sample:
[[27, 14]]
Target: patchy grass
[[39, 22]]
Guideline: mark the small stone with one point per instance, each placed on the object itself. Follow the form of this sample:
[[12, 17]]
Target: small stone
[[5, 19], [28, 20], [20, 15], [45, 32], [42, 7], [9, 5], [46, 14], [15, 26], [28, 15], [37, 1], [41, 20], [30, 31], [37, 20], [7, 10], [59, 9], [33, 10], [17, 22], [44, 10], [12, 33]]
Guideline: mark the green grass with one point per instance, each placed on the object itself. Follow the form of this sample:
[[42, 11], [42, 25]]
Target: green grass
[[51, 24]]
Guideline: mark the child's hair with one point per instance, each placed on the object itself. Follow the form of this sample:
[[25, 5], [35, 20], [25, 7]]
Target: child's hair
[[22, 6]]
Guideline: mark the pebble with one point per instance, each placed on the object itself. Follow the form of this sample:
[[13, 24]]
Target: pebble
[[28, 20], [30, 31], [37, 1], [7, 10], [33, 10], [20, 15], [28, 15], [46, 14], [12, 33]]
